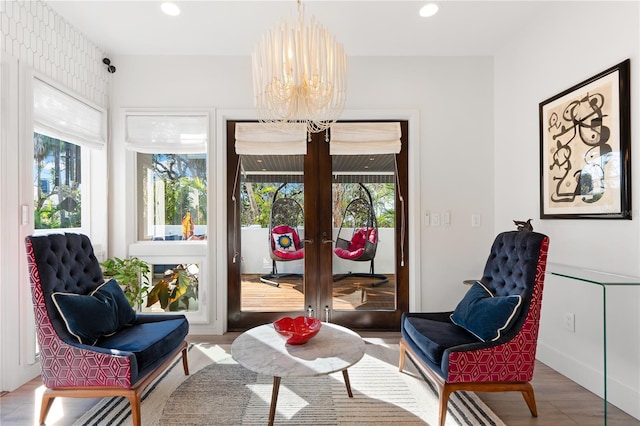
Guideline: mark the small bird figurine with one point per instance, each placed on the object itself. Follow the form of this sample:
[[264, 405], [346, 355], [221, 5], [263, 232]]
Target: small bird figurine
[[523, 226]]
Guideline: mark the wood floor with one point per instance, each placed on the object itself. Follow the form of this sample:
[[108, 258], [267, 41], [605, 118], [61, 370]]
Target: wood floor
[[560, 401], [348, 294]]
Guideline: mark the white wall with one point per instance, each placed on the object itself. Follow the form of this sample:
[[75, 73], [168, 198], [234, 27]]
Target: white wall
[[454, 171], [571, 42]]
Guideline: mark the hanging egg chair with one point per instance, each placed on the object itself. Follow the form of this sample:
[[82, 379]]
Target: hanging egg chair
[[357, 239], [284, 238]]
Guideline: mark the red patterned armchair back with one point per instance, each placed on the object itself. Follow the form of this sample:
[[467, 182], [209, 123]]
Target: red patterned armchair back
[[66, 263]]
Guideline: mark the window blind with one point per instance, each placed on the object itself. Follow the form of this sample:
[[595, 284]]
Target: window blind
[[167, 133], [365, 138], [65, 117], [257, 139]]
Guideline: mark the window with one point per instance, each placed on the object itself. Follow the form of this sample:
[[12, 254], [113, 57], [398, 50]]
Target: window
[[170, 151], [173, 189], [68, 149], [174, 288], [57, 185]]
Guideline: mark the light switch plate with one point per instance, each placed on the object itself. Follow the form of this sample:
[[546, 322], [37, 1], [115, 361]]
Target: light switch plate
[[446, 218], [435, 219]]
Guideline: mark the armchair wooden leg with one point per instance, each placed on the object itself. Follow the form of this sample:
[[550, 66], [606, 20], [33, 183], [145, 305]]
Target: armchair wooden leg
[[47, 401], [185, 362], [530, 399], [445, 392], [134, 400], [403, 353]]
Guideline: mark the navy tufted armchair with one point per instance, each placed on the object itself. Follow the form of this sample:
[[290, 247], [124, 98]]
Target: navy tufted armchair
[[488, 343], [120, 364]]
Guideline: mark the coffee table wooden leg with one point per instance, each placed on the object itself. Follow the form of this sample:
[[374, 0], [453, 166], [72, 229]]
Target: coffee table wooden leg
[[274, 399], [345, 374]]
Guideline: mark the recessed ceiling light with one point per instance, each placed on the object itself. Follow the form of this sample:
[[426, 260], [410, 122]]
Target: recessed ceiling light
[[428, 10], [170, 8]]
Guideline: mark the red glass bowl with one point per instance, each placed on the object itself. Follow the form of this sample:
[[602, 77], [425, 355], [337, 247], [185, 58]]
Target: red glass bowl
[[297, 330]]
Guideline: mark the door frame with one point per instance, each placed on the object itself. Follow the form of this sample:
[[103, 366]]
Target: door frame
[[221, 217]]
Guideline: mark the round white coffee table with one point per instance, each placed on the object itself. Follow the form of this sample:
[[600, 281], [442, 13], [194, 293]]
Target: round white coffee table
[[263, 351]]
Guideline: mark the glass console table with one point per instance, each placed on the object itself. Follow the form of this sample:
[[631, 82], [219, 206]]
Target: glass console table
[[604, 280]]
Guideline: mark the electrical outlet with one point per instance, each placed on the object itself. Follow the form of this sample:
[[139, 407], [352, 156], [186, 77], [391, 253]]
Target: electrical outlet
[[475, 220], [570, 321]]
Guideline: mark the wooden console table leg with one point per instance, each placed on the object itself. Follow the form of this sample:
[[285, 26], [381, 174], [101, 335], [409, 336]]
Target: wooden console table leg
[[274, 399], [345, 374]]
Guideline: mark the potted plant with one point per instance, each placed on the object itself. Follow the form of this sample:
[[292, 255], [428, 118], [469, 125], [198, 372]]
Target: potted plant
[[176, 289], [133, 276]]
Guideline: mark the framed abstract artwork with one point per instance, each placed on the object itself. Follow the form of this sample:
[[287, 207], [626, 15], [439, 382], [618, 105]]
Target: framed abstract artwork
[[585, 149]]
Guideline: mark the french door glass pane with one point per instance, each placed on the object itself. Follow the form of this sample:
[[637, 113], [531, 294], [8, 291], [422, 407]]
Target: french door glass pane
[[363, 198], [272, 233]]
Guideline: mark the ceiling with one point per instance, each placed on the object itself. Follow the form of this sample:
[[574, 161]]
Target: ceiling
[[232, 28]]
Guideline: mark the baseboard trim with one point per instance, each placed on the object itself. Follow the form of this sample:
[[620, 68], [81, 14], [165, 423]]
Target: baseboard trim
[[619, 394]]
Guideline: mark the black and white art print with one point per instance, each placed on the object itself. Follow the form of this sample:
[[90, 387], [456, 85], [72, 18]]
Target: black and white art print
[[585, 153]]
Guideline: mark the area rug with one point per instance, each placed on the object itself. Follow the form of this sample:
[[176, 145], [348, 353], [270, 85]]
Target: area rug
[[221, 392]]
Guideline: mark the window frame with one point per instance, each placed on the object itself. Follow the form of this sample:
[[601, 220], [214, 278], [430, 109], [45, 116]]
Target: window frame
[[180, 251], [155, 253]]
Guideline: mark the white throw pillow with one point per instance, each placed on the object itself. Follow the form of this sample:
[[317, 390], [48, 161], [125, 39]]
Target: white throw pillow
[[284, 242]]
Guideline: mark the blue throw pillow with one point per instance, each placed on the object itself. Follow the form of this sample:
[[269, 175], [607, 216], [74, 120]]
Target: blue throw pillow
[[100, 313], [484, 315]]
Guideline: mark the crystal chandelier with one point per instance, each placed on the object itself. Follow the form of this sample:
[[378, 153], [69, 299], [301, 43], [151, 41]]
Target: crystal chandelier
[[299, 75]]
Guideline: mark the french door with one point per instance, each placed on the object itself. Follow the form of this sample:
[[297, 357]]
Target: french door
[[313, 264]]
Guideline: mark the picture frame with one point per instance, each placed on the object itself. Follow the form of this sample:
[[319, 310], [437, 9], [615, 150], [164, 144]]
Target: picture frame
[[585, 149]]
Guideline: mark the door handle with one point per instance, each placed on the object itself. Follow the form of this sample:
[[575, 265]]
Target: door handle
[[308, 241], [325, 240]]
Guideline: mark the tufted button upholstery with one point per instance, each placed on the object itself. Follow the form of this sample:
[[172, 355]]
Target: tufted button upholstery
[[66, 263], [511, 266]]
